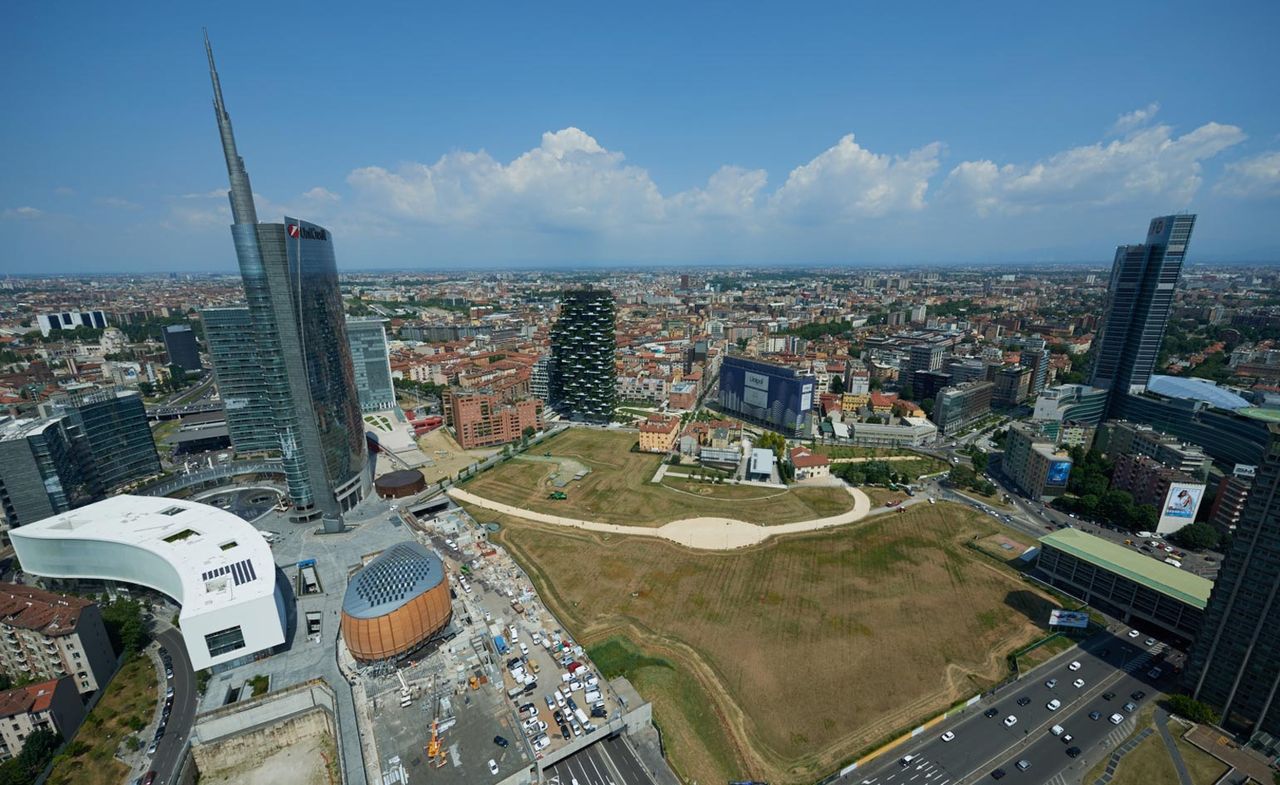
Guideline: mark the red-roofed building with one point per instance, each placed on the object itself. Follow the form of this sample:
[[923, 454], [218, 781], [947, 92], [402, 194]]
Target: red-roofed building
[[882, 403], [52, 705], [46, 635], [658, 434], [808, 463]]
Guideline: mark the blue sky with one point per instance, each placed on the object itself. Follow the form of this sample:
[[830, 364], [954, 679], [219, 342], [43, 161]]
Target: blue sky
[[517, 134]]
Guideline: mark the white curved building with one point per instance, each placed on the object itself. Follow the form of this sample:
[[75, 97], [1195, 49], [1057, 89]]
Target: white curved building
[[212, 563]]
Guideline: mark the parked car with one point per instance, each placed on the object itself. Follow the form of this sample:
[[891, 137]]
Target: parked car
[[493, 766], [1074, 666], [1095, 715], [989, 713], [1106, 696], [1078, 683], [1073, 752], [500, 741], [1116, 719], [1010, 721], [997, 774], [1023, 764]]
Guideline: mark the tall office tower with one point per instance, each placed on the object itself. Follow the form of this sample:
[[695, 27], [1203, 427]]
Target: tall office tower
[[923, 357], [111, 435], [40, 473], [1035, 355], [583, 376], [1234, 664], [1143, 278], [371, 361], [291, 285], [233, 352], [180, 345]]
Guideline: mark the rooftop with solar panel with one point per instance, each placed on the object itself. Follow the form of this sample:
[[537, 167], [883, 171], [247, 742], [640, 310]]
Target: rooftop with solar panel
[[217, 566]]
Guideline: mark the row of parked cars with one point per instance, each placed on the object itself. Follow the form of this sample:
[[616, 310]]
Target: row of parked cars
[[167, 659]]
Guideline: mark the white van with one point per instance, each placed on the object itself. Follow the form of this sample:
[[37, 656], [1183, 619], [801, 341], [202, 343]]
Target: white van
[[1174, 562], [592, 696], [1057, 730]]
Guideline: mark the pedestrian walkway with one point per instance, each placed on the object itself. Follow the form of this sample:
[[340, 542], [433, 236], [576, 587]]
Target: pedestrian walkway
[[716, 534], [1119, 754], [1162, 722]]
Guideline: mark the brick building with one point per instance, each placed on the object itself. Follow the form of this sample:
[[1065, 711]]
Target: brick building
[[486, 420]]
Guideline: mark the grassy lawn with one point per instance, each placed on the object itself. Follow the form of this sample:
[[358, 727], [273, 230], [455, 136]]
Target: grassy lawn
[[708, 636], [1148, 763], [1204, 768], [618, 489], [879, 496], [128, 703]]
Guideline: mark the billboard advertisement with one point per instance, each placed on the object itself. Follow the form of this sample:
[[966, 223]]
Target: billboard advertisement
[[1075, 619], [1058, 473], [1180, 506], [754, 396]]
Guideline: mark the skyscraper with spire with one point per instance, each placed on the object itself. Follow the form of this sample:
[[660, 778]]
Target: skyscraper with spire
[[291, 288]]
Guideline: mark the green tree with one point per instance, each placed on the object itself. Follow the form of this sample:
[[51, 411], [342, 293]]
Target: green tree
[[837, 384], [125, 627], [147, 389], [980, 460], [1197, 536], [1194, 710], [177, 377]]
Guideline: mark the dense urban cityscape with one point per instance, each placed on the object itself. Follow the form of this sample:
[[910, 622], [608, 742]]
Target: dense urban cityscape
[[778, 522]]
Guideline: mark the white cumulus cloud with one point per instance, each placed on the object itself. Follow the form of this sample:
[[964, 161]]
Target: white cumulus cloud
[[1148, 163], [1258, 176], [1135, 119], [848, 181]]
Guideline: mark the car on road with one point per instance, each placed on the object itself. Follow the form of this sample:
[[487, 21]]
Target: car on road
[[1129, 707], [989, 713], [150, 778], [1137, 695], [1134, 633], [1010, 721], [1150, 641], [997, 774], [1078, 683], [1053, 705], [1051, 683], [1074, 666], [500, 741], [493, 766], [907, 760], [1116, 719], [948, 736], [1073, 752], [1106, 696], [1066, 738], [1155, 673], [152, 749], [1024, 700], [1095, 715], [1023, 764]]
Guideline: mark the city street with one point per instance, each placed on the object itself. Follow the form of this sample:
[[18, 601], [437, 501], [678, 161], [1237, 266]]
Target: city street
[[169, 750], [1108, 664]]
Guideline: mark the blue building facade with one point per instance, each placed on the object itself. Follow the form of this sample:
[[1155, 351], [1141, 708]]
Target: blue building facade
[[774, 396]]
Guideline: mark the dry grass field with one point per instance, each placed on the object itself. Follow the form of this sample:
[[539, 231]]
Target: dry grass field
[[783, 661], [127, 705], [618, 489]]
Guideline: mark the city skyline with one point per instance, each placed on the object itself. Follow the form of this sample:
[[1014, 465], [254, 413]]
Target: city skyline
[[431, 154]]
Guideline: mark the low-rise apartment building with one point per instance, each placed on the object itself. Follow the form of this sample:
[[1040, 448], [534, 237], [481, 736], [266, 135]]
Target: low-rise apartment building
[[47, 635], [52, 705], [485, 420]]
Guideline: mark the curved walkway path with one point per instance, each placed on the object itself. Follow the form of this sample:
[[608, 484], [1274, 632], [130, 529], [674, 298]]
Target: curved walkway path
[[714, 534]]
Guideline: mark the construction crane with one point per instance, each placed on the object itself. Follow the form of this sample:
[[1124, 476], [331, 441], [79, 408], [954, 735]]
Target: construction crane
[[435, 749]]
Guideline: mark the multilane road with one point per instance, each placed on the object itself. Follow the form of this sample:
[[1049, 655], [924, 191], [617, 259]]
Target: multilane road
[[982, 744]]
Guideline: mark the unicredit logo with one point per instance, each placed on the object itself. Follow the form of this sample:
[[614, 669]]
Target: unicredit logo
[[307, 233]]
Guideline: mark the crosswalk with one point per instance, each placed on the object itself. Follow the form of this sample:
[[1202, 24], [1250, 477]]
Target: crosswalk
[[1058, 779], [1142, 660]]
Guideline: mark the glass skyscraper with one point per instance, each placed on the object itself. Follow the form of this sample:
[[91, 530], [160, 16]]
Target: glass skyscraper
[[584, 378], [1235, 663], [299, 330], [1140, 295], [233, 351], [372, 364], [112, 436]]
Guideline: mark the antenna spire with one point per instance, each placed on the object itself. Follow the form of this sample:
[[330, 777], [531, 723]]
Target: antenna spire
[[241, 193]]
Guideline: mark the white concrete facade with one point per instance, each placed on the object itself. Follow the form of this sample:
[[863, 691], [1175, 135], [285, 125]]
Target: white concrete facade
[[211, 562]]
